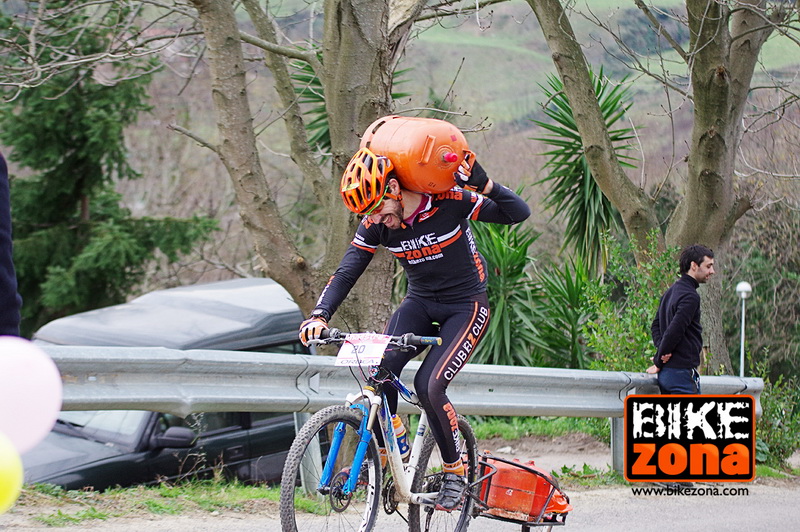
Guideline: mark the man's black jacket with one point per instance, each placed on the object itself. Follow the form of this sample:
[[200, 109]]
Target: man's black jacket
[[676, 328], [10, 301]]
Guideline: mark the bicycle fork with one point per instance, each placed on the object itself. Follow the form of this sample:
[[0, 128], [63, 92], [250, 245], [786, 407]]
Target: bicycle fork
[[403, 473], [364, 437]]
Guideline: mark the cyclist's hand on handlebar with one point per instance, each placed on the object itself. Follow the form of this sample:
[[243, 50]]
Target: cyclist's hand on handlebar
[[312, 329]]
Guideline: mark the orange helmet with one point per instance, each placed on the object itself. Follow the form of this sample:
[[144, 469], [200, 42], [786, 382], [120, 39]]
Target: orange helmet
[[364, 181]]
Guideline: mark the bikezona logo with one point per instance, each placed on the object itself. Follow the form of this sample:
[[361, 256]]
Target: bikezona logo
[[689, 438]]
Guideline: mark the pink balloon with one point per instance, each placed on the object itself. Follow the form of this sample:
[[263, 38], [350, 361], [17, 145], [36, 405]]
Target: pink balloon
[[30, 392]]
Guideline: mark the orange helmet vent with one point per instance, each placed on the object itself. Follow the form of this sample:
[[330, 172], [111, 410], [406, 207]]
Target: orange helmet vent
[[364, 181]]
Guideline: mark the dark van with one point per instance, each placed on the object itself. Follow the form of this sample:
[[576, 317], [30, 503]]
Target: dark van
[[102, 449]]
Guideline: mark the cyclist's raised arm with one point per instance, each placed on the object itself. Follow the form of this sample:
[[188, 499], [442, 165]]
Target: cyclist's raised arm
[[501, 206], [497, 204]]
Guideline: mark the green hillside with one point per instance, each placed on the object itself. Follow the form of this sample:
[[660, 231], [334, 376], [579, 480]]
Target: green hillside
[[494, 63]]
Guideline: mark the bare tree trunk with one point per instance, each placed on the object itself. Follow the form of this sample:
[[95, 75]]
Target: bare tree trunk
[[357, 78], [723, 52], [311, 279], [358, 52], [237, 148], [635, 207]]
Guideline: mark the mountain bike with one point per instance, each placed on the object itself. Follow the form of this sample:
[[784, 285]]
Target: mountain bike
[[332, 478]]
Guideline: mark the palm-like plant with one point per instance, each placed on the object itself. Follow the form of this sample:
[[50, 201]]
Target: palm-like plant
[[311, 96], [574, 194], [512, 336], [564, 292]]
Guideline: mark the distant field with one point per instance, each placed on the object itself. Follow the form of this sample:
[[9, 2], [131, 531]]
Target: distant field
[[497, 71], [501, 63]]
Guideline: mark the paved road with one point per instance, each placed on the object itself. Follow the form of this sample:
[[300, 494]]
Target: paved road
[[598, 510]]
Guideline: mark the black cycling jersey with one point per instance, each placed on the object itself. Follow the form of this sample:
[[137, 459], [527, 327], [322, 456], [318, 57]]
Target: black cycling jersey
[[437, 249]]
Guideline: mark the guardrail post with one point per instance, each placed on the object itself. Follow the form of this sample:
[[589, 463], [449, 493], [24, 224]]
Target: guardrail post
[[617, 444]]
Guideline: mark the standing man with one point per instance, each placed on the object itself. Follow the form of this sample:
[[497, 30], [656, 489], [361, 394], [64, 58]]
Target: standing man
[[431, 237], [10, 301], [676, 329]]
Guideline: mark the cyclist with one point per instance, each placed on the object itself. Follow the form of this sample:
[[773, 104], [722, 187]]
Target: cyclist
[[430, 236]]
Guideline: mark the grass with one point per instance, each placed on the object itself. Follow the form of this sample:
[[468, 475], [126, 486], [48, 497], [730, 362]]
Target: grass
[[514, 428], [588, 477], [765, 471], [70, 507], [60, 518]]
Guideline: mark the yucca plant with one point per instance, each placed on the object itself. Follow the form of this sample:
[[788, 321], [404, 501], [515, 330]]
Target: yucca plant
[[574, 194], [310, 94], [564, 293], [512, 336]]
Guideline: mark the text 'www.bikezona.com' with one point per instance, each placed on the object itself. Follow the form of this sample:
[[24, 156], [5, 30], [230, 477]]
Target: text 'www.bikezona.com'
[[702, 491]]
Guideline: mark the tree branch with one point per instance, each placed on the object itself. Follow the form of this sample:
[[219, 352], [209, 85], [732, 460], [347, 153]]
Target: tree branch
[[307, 56], [293, 119], [661, 30], [197, 139], [440, 10]]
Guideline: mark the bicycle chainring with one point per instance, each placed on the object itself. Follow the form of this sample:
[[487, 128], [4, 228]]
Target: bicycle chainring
[[388, 494]]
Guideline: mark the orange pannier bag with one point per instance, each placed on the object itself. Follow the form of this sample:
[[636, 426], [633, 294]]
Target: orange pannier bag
[[520, 492], [425, 152]]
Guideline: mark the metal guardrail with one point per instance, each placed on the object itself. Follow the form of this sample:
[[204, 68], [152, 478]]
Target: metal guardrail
[[183, 382]]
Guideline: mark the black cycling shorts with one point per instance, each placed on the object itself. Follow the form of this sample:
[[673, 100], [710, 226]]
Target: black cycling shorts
[[461, 326]]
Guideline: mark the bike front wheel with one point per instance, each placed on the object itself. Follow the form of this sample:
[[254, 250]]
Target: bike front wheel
[[306, 503], [428, 479]]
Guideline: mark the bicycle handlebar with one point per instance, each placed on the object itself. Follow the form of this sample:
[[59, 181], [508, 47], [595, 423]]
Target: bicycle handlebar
[[337, 336]]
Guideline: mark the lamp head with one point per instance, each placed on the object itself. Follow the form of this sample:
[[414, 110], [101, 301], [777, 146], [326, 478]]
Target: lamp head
[[744, 289]]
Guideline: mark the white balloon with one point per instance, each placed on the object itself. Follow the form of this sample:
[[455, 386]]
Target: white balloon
[[30, 392]]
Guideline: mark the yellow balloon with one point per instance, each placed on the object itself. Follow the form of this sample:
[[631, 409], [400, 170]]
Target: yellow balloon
[[10, 474]]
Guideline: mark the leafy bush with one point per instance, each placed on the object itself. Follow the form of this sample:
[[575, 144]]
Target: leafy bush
[[624, 307], [778, 429]]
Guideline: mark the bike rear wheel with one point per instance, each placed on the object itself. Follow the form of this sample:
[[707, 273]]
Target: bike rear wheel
[[305, 506], [428, 479]]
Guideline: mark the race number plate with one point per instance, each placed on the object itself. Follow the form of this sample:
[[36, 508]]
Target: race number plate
[[362, 349]]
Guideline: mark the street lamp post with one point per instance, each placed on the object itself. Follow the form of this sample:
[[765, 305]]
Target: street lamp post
[[744, 290]]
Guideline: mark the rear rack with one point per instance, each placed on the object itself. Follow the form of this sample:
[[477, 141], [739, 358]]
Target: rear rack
[[526, 505]]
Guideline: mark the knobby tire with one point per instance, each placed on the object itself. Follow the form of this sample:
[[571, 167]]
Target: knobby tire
[[428, 479], [332, 511]]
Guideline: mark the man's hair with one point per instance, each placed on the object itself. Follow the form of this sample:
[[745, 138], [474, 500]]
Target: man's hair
[[692, 254]]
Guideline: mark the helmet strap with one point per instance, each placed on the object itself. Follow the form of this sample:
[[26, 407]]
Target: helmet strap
[[397, 197]]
